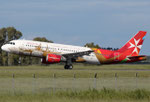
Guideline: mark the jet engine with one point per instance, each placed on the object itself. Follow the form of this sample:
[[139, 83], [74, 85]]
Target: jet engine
[[51, 58]]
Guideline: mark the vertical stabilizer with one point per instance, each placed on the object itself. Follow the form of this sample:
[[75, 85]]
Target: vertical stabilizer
[[134, 45]]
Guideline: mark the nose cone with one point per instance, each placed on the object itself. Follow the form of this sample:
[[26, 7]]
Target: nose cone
[[5, 48]]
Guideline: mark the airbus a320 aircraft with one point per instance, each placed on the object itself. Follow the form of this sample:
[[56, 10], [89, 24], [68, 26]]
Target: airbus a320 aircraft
[[54, 53]]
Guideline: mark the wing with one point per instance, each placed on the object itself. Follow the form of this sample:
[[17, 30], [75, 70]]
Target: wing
[[77, 54]]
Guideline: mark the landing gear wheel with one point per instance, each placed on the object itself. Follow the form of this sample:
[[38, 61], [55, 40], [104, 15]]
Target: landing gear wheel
[[68, 66], [71, 67]]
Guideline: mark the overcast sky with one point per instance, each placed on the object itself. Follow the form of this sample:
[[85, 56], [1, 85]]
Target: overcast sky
[[109, 23]]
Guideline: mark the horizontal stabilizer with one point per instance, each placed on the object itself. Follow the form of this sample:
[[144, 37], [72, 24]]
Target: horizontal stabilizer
[[142, 57]]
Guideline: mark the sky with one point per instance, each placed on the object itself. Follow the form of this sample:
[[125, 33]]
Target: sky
[[108, 23]]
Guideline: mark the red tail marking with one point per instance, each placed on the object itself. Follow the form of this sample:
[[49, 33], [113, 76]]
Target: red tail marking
[[133, 46]]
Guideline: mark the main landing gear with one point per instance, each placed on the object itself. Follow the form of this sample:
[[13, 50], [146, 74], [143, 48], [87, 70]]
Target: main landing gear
[[68, 64]]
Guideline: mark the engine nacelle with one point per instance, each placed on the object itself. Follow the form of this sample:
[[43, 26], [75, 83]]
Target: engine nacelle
[[51, 58]]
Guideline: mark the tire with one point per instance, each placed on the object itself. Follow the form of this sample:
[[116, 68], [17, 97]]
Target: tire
[[71, 67], [68, 67]]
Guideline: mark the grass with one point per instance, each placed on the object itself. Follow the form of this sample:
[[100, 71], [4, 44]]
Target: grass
[[104, 95], [80, 71], [126, 87], [138, 94]]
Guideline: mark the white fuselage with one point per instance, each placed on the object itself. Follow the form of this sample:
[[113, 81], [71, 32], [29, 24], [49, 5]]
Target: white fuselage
[[39, 49]]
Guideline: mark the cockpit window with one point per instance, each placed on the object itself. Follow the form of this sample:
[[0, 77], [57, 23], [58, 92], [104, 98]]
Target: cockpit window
[[12, 43], [7, 43]]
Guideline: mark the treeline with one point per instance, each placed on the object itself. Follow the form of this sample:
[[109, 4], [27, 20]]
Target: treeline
[[8, 34], [92, 45], [7, 59]]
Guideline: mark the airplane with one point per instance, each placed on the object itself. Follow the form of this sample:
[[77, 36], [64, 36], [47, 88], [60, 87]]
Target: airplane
[[51, 53]]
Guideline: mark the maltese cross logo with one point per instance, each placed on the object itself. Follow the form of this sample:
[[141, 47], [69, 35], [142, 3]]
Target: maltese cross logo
[[135, 46]]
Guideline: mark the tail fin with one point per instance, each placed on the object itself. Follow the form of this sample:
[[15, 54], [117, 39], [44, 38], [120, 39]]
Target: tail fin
[[133, 46]]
